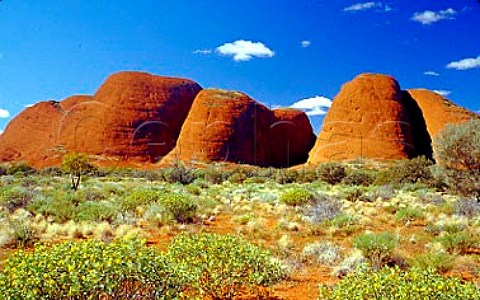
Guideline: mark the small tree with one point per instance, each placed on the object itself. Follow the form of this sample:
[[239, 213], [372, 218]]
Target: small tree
[[458, 146], [76, 164], [457, 150]]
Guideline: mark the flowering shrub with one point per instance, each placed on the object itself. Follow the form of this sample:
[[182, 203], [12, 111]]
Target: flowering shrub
[[393, 283]]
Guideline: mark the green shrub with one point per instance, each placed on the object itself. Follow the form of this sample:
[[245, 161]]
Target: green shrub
[[215, 175], [223, 265], [331, 173], [182, 207], [441, 262], [407, 171], [407, 214], [139, 198], [60, 207], [22, 232], [91, 270], [359, 177], [19, 168], [284, 176], [297, 196], [457, 146], [393, 283], [96, 211], [457, 149], [179, 173], [459, 242], [376, 247], [16, 197]]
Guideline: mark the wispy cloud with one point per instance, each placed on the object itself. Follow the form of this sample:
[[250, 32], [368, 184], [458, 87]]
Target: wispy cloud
[[29, 105], [4, 113], [315, 106], [429, 17], [431, 73], [243, 50], [203, 51], [360, 6], [366, 6], [305, 43], [444, 93], [465, 64]]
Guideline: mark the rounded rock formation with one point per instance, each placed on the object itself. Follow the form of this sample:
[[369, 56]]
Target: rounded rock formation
[[367, 119], [231, 127], [134, 117], [438, 111]]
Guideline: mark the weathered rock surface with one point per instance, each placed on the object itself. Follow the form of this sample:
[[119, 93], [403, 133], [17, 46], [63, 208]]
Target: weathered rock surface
[[230, 126], [438, 111], [367, 119], [133, 117]]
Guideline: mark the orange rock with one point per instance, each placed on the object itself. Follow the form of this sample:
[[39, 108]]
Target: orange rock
[[367, 119], [439, 111], [231, 127], [134, 117]]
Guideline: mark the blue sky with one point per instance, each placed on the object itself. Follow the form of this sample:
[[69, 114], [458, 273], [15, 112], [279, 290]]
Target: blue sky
[[278, 53]]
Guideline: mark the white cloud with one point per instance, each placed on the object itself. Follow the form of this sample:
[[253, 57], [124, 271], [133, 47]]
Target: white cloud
[[429, 17], [379, 6], [305, 43], [202, 51], [4, 113], [444, 93], [28, 105], [361, 6], [242, 50], [431, 73], [314, 106], [465, 64]]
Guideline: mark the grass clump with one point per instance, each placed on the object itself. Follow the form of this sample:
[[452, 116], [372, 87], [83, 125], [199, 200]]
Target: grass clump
[[393, 283], [297, 196], [376, 247], [408, 214]]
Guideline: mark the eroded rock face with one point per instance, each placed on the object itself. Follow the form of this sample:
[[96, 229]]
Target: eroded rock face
[[133, 117], [367, 119], [231, 127], [438, 111]]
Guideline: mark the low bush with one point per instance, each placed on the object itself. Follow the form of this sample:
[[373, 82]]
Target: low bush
[[179, 173], [296, 196], [320, 252], [407, 171], [19, 168], [96, 211], [60, 207], [459, 242], [376, 247], [182, 207], [331, 173], [16, 197], [393, 283], [91, 270], [408, 214], [359, 177], [138, 198], [440, 262], [221, 266], [467, 207]]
